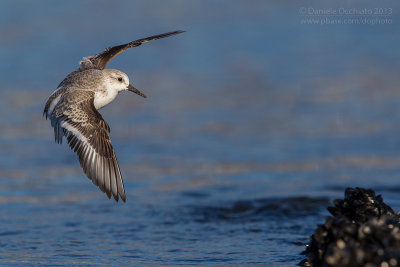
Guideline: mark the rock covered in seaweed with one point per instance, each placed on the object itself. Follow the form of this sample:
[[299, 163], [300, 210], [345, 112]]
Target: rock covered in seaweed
[[363, 232]]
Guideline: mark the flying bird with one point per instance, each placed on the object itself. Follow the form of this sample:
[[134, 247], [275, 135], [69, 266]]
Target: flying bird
[[73, 112]]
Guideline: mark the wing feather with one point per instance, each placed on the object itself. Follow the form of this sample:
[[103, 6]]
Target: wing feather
[[99, 61], [88, 135]]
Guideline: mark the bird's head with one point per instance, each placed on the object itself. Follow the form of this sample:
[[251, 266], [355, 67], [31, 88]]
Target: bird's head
[[120, 82]]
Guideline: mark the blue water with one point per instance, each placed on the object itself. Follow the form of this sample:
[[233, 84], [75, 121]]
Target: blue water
[[254, 123]]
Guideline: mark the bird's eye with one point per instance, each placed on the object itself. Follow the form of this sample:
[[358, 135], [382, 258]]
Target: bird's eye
[[120, 79]]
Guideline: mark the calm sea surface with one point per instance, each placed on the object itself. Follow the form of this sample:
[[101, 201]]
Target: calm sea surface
[[256, 119]]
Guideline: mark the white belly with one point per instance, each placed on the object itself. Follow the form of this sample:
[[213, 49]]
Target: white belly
[[103, 98]]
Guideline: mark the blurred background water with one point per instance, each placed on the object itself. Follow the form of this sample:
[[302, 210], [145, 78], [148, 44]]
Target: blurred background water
[[256, 118]]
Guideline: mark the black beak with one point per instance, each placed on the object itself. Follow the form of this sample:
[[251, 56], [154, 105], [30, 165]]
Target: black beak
[[136, 91]]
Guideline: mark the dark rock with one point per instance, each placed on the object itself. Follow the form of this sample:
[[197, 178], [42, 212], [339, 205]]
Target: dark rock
[[363, 232]]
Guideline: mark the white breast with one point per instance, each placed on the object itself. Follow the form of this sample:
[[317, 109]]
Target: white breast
[[103, 98]]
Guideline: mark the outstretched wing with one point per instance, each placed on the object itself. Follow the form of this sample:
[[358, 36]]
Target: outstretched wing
[[100, 60], [77, 119]]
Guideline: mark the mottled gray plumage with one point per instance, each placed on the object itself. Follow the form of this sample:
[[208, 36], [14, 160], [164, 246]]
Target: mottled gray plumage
[[72, 110]]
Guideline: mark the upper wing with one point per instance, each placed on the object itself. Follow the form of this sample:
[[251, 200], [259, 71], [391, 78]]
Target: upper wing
[[100, 61], [77, 119]]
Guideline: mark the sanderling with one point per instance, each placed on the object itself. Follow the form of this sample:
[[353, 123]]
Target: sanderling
[[72, 109]]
